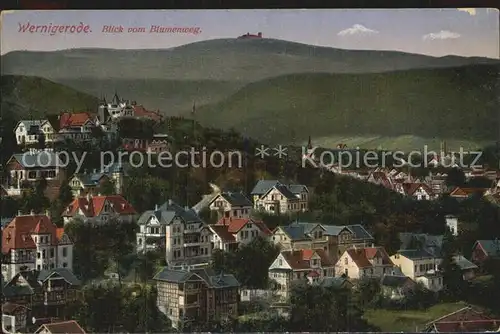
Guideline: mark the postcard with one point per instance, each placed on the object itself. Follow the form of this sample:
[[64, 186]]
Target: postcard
[[221, 155]]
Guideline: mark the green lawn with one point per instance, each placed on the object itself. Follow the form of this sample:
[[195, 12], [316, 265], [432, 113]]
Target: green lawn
[[410, 320]]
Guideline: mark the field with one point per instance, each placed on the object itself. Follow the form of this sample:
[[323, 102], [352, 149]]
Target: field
[[411, 320]]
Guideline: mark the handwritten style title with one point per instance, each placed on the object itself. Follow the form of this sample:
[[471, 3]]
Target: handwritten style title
[[81, 28], [53, 29]]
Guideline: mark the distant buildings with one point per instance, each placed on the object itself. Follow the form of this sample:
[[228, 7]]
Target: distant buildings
[[84, 183], [273, 197], [119, 108], [196, 294], [230, 205], [28, 132], [358, 263], [241, 230], [250, 36]]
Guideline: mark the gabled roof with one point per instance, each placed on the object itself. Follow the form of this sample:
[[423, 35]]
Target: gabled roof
[[18, 233], [415, 254], [234, 225], [283, 190], [411, 188], [12, 308], [92, 206], [469, 316], [362, 256], [463, 263], [29, 123], [222, 232], [432, 244], [467, 326], [66, 274], [234, 198], [213, 280], [295, 232], [466, 192], [37, 159], [395, 281], [263, 186], [300, 259], [74, 119], [333, 282], [63, 327], [491, 247], [360, 233]]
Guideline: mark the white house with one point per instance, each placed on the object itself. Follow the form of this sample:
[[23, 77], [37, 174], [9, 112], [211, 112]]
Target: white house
[[33, 242], [421, 266], [359, 262], [99, 209], [277, 198], [231, 205], [242, 230], [76, 126], [28, 131], [452, 224], [185, 238]]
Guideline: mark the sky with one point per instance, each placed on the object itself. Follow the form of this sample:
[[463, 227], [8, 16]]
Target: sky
[[435, 32]]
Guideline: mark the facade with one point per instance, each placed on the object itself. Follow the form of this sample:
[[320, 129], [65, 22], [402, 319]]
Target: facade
[[44, 292], [24, 169], [332, 238], [484, 250], [292, 265], [78, 127], [418, 191], [421, 266], [14, 317], [243, 230], [70, 326], [83, 183], [99, 209], [357, 263], [185, 238], [468, 268], [28, 132], [452, 224], [223, 239], [196, 294], [274, 197], [231, 205], [32, 242], [120, 108]]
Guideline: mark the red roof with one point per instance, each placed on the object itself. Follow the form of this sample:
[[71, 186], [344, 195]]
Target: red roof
[[76, 119], [92, 207], [140, 111], [464, 192], [410, 188], [362, 256], [300, 259], [17, 235], [236, 224]]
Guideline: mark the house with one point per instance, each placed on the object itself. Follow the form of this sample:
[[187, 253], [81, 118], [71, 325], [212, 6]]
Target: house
[[201, 294], [418, 191], [184, 236], [432, 244], [397, 287], [33, 242], [45, 292], [230, 204], [484, 250], [463, 193], [356, 263], [292, 265], [223, 239], [70, 326], [243, 230], [283, 199], [120, 108], [84, 183], [332, 238], [468, 268], [263, 187], [247, 295], [14, 317], [465, 320], [159, 143], [28, 131], [338, 283], [452, 224], [99, 209], [77, 127], [24, 169], [421, 266]]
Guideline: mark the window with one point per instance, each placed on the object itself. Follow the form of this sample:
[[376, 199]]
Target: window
[[64, 252], [416, 268], [65, 265], [38, 255], [32, 175], [37, 267], [280, 261], [43, 254], [346, 261], [52, 252]]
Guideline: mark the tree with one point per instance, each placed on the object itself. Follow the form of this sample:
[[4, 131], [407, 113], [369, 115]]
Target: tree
[[65, 193], [455, 286], [368, 289], [455, 178], [107, 187]]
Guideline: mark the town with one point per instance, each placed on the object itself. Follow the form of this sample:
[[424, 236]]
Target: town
[[270, 246]]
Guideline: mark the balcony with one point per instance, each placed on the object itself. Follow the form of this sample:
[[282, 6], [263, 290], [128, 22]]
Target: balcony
[[192, 244]]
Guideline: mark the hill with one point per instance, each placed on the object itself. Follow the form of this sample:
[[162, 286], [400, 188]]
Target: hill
[[24, 96], [218, 59], [453, 103]]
